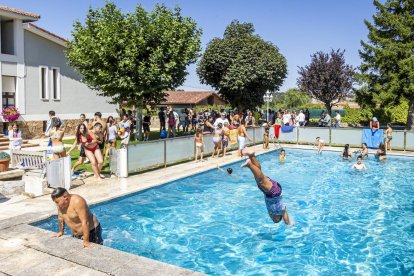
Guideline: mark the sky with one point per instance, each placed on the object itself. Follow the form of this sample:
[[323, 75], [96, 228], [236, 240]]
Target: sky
[[299, 28]]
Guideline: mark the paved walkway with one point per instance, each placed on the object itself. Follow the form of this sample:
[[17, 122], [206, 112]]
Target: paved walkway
[[28, 250]]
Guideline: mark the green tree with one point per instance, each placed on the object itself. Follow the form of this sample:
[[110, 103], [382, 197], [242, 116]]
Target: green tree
[[134, 56], [327, 78], [295, 98], [242, 66], [388, 60]]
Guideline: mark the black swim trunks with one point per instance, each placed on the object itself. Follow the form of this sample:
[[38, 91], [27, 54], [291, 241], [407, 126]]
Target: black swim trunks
[[95, 235]]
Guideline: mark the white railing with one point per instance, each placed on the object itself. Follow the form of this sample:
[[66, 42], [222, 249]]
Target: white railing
[[28, 159], [58, 172], [160, 153]]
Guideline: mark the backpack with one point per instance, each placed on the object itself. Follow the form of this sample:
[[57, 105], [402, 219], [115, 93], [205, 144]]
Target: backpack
[[163, 134]]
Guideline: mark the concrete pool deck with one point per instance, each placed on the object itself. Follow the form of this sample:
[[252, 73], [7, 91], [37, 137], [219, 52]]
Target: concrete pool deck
[[28, 250]]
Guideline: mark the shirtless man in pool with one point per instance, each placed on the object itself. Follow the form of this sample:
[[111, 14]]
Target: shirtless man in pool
[[74, 212], [271, 189]]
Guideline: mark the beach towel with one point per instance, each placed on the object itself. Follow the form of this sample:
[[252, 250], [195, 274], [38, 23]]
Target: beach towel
[[372, 137], [277, 131], [233, 136], [287, 128]]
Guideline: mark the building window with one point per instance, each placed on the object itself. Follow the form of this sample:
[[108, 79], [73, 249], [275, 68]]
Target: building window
[[7, 37], [56, 83], [44, 87], [8, 91]]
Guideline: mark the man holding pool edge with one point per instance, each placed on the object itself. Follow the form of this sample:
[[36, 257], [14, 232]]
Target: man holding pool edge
[[74, 212]]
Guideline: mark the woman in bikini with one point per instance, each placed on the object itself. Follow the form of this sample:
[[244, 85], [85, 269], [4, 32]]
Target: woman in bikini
[[217, 137], [110, 135], [364, 150], [388, 137], [271, 189], [89, 148], [56, 135]]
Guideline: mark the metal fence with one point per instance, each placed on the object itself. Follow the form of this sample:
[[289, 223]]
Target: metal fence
[[160, 153]]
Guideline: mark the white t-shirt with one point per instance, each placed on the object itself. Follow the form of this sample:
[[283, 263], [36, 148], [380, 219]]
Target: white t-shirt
[[220, 120], [286, 118], [338, 117], [176, 117], [301, 117]]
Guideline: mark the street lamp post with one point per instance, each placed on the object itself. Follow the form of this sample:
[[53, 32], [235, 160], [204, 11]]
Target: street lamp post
[[268, 97]]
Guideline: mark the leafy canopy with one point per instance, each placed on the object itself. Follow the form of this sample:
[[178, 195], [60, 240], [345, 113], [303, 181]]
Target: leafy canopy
[[133, 56], [327, 78], [387, 71], [295, 98], [242, 66]]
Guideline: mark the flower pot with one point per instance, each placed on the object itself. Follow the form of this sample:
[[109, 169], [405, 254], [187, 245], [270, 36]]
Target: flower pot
[[4, 164]]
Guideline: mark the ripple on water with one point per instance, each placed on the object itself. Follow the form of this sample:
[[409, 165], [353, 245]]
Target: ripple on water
[[346, 222]]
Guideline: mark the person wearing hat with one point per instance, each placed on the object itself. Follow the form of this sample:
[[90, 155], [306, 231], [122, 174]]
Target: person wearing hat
[[374, 124]]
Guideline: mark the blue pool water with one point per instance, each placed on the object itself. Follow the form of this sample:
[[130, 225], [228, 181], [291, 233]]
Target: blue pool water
[[346, 222]]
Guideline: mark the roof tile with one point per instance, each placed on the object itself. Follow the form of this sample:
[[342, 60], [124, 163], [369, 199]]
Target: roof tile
[[187, 97], [35, 16]]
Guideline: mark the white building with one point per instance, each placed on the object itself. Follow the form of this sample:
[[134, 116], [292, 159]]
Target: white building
[[35, 76]]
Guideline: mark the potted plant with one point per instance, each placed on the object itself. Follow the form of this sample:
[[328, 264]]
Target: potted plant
[[4, 161], [10, 114]]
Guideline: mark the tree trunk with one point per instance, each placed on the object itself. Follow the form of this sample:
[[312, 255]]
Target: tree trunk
[[410, 117], [138, 130], [329, 108]]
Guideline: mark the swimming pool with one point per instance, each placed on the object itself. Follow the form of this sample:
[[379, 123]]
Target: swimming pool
[[345, 221]]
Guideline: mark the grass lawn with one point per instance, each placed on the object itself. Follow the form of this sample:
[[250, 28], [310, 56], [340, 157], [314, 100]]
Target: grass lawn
[[154, 135]]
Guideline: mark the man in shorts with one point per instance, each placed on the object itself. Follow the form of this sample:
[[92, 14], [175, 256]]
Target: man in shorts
[[74, 212], [271, 189]]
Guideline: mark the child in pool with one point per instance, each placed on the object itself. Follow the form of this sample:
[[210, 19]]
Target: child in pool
[[319, 144], [381, 152], [282, 155], [271, 189]]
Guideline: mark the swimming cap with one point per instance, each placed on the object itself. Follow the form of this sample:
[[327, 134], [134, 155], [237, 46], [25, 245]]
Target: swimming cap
[[229, 170]]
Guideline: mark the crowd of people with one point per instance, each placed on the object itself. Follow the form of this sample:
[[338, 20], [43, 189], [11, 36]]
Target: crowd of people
[[95, 138]]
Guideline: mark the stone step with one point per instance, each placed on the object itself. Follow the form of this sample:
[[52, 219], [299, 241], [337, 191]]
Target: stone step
[[6, 143], [27, 145], [4, 139]]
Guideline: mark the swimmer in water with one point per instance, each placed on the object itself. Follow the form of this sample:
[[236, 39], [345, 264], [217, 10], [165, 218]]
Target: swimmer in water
[[359, 165], [271, 189], [319, 144], [282, 155], [229, 171]]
